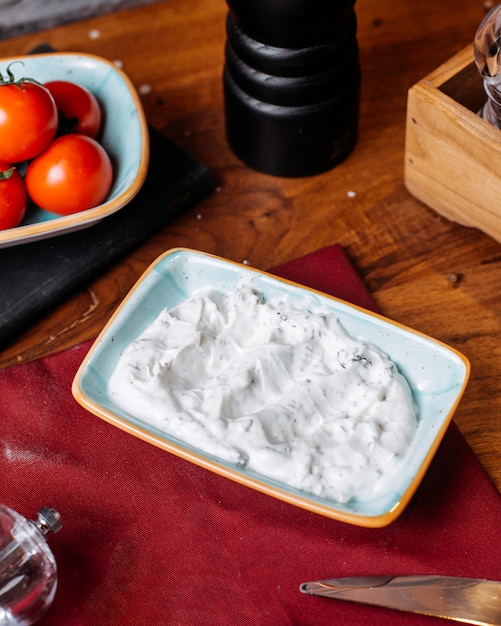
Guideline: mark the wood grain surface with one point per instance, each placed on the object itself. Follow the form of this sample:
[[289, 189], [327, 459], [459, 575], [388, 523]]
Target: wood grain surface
[[424, 271]]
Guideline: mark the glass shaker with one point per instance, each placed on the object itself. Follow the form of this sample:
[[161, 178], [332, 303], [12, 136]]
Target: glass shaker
[[28, 573], [487, 51]]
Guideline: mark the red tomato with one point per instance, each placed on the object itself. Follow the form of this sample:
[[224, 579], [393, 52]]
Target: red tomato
[[28, 119], [12, 197], [73, 174], [79, 110]]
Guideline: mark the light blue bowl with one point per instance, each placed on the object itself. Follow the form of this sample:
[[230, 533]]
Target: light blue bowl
[[124, 136], [436, 373]]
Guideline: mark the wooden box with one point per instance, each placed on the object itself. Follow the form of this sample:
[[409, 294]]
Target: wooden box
[[452, 156]]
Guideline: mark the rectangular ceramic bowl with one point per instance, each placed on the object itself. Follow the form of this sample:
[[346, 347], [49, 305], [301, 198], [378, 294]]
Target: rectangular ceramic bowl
[[436, 373], [124, 135]]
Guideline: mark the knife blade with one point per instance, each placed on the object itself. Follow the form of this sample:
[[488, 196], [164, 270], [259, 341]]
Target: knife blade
[[468, 600]]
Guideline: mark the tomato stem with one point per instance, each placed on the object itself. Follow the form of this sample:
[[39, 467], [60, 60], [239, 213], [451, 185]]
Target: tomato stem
[[11, 78], [6, 174]]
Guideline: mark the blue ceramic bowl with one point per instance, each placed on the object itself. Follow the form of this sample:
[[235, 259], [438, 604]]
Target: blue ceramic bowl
[[436, 373], [124, 136]]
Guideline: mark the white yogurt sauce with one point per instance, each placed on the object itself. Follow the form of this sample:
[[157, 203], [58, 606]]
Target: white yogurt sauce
[[273, 388]]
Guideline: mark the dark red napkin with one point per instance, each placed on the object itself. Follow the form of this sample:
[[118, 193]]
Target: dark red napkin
[[149, 539]]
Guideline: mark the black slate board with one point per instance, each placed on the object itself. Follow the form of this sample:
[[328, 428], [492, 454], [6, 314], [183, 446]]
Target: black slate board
[[34, 277]]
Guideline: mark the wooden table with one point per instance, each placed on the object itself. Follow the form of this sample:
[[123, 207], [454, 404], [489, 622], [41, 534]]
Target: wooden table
[[424, 271]]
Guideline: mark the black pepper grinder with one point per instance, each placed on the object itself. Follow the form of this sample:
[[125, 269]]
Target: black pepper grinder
[[291, 84]]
